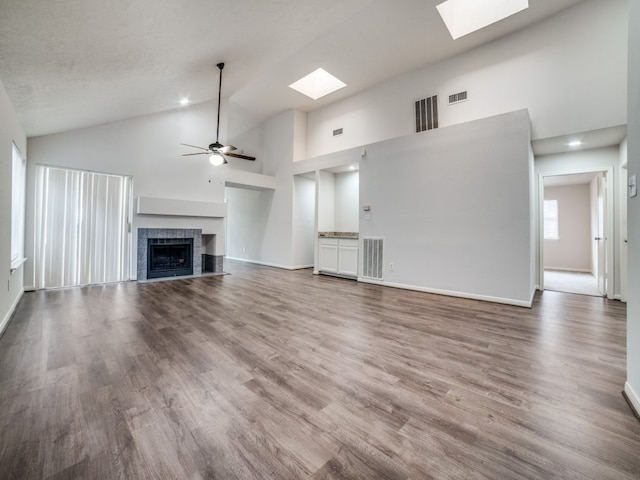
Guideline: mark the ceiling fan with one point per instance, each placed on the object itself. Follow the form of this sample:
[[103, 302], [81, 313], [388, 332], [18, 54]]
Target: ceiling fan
[[216, 151]]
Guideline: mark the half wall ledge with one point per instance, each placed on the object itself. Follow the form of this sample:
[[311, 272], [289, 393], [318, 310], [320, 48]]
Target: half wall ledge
[[182, 208]]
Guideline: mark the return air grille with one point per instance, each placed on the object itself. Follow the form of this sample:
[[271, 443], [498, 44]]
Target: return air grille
[[372, 258], [427, 114], [457, 97]]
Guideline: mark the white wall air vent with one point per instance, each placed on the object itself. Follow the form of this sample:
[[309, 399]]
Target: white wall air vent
[[458, 97], [372, 258], [338, 131], [427, 114]]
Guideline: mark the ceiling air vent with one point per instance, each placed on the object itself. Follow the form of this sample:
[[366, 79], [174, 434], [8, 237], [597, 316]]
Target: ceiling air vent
[[427, 114], [337, 131], [457, 97]]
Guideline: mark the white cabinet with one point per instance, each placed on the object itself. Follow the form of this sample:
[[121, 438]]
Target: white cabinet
[[338, 256], [328, 255], [348, 257]]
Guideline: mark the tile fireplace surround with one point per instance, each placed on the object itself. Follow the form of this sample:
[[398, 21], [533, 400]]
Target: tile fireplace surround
[[144, 234]]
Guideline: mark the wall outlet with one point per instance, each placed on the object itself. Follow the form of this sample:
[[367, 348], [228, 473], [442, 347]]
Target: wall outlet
[[391, 266], [244, 249]]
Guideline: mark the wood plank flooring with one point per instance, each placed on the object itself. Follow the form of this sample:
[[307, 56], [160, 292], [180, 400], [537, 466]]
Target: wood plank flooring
[[272, 374]]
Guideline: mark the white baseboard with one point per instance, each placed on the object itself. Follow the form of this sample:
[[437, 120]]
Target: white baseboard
[[267, 264], [30, 288], [7, 317], [564, 269], [633, 398], [449, 293], [533, 294]]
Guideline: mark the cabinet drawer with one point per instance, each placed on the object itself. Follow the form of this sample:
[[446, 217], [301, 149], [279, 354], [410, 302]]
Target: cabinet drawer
[[348, 242], [328, 241]]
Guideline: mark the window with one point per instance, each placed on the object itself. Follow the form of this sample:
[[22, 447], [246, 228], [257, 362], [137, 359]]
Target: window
[[551, 220], [18, 178]]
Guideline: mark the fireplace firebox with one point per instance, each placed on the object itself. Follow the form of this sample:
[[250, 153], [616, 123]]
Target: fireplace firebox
[[169, 257]]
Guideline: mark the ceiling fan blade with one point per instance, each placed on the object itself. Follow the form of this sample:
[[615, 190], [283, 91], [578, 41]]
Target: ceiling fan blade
[[199, 153], [227, 149], [194, 146], [237, 155]]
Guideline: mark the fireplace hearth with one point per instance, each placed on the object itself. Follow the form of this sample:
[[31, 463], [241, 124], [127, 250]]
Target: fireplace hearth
[[169, 257]]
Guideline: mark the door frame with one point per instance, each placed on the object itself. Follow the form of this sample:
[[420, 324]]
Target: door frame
[[609, 224]]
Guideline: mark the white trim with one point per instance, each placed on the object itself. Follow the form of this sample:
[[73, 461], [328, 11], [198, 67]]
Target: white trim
[[30, 288], [449, 293], [610, 234], [17, 263], [12, 309], [267, 264], [633, 397]]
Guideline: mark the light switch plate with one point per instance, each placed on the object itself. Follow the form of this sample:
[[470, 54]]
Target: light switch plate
[[633, 186]]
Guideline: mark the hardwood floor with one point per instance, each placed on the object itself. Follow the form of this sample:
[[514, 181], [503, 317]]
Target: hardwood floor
[[274, 374]]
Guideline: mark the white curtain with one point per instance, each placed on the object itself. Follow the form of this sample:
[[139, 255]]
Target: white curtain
[[82, 227]]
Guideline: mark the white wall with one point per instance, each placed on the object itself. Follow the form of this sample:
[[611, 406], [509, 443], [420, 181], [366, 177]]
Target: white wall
[[569, 71], [275, 227], [326, 198], [147, 148], [246, 222], [453, 206], [276, 247], [572, 250], [347, 215], [632, 386], [10, 132], [304, 205]]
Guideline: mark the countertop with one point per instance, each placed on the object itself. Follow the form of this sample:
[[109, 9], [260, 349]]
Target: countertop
[[349, 235]]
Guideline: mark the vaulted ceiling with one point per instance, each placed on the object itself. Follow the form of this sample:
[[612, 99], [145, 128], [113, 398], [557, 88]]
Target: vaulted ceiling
[[68, 64]]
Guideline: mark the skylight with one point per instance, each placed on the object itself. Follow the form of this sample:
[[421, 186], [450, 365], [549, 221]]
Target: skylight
[[318, 84], [466, 16]]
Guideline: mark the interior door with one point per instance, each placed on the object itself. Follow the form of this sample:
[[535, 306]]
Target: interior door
[[601, 236]]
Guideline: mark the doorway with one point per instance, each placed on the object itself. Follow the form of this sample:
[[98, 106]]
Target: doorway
[[82, 227], [575, 233]]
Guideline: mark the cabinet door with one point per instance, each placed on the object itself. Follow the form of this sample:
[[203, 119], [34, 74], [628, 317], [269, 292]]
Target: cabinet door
[[328, 256], [348, 257]]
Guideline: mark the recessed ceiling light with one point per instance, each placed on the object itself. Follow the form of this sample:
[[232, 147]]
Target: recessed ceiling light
[[575, 143], [465, 16], [318, 84], [184, 101]]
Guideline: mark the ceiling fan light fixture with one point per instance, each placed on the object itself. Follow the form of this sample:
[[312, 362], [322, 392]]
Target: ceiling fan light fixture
[[217, 159], [217, 149]]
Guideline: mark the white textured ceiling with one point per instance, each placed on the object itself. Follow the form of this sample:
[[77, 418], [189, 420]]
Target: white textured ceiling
[[68, 64]]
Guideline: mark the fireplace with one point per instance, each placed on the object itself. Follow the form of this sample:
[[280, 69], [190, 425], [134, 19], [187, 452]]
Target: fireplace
[[169, 257], [202, 248]]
